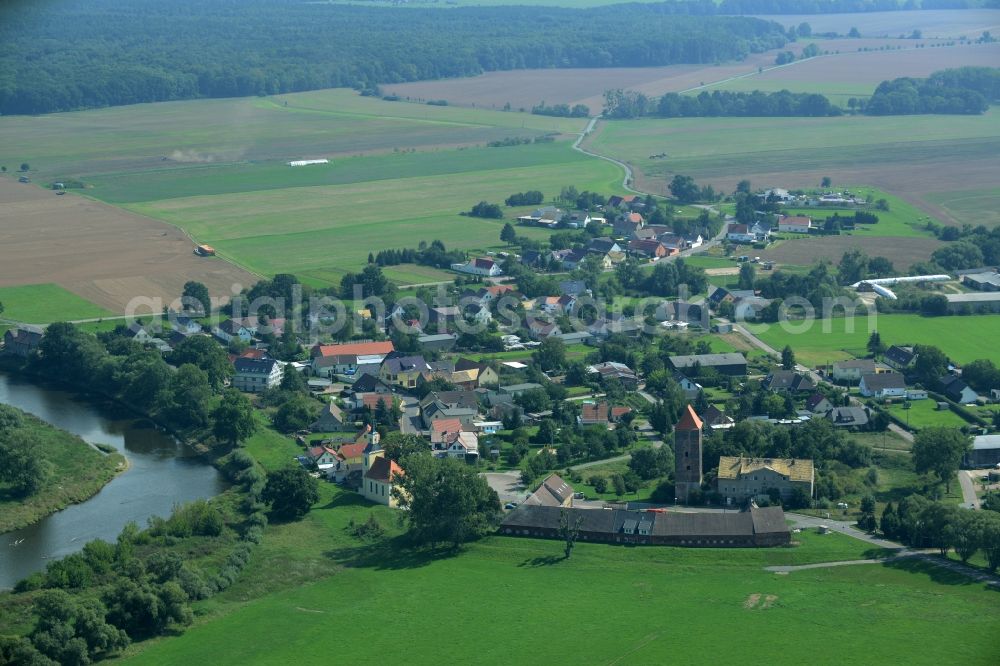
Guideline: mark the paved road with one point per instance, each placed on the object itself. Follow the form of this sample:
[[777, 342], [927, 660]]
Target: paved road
[[803, 521], [967, 479], [409, 422]]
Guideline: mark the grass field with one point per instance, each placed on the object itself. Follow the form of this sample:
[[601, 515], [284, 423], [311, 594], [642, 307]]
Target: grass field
[[614, 604], [924, 414], [77, 471], [903, 219], [202, 132], [975, 207], [908, 155], [46, 303], [324, 231], [963, 339]]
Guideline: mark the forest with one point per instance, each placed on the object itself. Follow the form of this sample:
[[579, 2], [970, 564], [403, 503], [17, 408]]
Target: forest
[[73, 54], [966, 90]]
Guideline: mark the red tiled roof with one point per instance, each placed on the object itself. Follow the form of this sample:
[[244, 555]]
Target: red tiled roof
[[383, 469], [371, 400], [689, 420], [355, 349], [618, 412], [446, 425], [353, 450]]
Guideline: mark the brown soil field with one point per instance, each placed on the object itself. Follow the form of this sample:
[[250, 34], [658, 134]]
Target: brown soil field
[[902, 252], [104, 254], [873, 67], [526, 88], [931, 23]]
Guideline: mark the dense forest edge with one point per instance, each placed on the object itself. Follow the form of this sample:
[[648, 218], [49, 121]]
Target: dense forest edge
[[76, 54]]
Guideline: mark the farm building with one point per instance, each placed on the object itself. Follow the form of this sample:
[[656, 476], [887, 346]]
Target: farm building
[[987, 301], [985, 452], [733, 364], [985, 281], [22, 341], [756, 527]]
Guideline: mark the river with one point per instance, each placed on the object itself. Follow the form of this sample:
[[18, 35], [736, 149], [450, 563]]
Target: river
[[162, 473]]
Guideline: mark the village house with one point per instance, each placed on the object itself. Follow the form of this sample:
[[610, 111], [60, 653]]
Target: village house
[[571, 259], [542, 329], [788, 381], [406, 372], [552, 492], [479, 374], [742, 479], [627, 225], [883, 385], [818, 403], [21, 341], [331, 419], [256, 375], [232, 329], [649, 249], [479, 266], [690, 387], [716, 419], [851, 371], [575, 288], [619, 371], [351, 456], [324, 457], [601, 413], [184, 325], [743, 233], [345, 359], [900, 358], [438, 342], [518, 389], [848, 417], [957, 390], [796, 224], [985, 452]]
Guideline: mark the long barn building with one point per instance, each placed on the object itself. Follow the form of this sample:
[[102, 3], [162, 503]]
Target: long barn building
[[756, 527]]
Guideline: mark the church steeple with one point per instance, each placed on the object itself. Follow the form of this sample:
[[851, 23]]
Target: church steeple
[[687, 454]]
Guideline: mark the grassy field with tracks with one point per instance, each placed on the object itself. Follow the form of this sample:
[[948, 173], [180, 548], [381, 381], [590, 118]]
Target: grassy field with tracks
[[975, 207], [963, 339]]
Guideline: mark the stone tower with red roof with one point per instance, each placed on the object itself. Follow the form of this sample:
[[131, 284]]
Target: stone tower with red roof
[[687, 454]]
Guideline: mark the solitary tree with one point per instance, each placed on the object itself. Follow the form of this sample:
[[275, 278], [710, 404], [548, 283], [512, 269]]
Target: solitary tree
[[748, 275], [939, 450], [875, 344], [787, 358], [291, 492], [826, 182], [233, 419], [508, 234], [25, 166], [569, 531], [198, 292]]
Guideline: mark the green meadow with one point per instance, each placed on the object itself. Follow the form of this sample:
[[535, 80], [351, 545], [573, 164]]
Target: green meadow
[[902, 218], [195, 133], [924, 414], [46, 303], [742, 147], [322, 231], [974, 207], [312, 590], [963, 339]]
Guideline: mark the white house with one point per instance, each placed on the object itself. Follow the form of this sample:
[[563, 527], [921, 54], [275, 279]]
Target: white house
[[883, 385], [796, 224], [740, 233], [479, 266], [232, 329], [257, 375]]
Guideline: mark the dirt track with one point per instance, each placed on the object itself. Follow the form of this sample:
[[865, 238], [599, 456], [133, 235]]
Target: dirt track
[[104, 254]]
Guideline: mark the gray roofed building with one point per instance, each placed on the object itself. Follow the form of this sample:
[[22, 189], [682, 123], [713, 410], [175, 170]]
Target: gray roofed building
[[848, 417], [439, 342], [985, 281], [752, 528], [899, 357], [518, 389], [985, 452], [788, 381], [733, 363], [553, 491]]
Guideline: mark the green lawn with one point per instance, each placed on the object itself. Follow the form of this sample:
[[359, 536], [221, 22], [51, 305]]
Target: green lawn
[[309, 586], [46, 303], [963, 339], [902, 218], [925, 414], [975, 207], [705, 261]]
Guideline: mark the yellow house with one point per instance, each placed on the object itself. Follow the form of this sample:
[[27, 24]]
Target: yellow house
[[404, 372]]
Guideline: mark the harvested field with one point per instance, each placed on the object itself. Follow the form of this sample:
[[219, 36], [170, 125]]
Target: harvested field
[[973, 207], [851, 73], [938, 23], [902, 252], [905, 155], [103, 254]]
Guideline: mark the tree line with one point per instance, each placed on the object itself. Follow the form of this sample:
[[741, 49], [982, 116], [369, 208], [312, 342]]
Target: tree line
[[91, 53], [967, 90]]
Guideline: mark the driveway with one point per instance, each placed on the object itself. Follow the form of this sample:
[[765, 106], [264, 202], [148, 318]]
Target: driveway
[[507, 485]]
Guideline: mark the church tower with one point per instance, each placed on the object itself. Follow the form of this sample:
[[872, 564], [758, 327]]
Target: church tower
[[687, 454]]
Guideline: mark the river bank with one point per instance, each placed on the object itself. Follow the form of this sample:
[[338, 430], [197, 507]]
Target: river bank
[[163, 472], [74, 471]]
